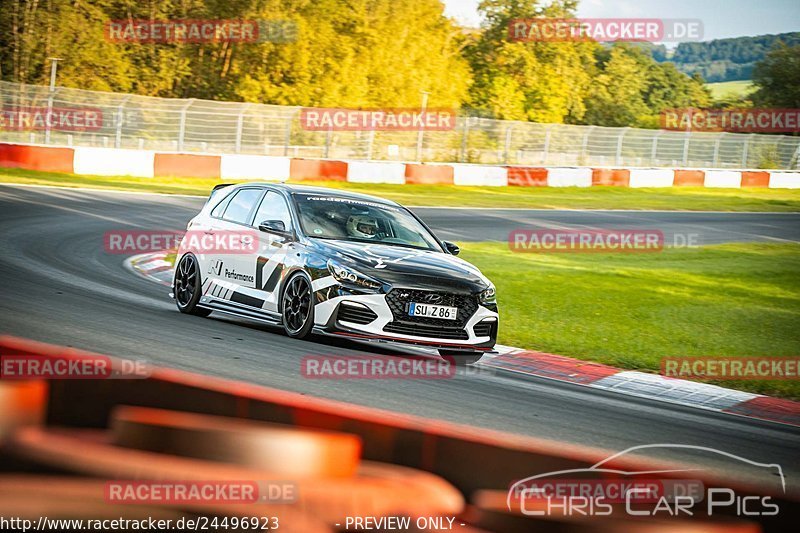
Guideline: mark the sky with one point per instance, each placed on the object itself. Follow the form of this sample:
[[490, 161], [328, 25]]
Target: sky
[[721, 18]]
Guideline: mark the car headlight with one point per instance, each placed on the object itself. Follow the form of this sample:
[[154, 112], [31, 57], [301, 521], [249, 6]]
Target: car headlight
[[349, 276], [488, 296]]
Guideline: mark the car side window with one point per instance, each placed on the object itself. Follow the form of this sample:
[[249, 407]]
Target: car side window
[[220, 208], [241, 205], [273, 207]]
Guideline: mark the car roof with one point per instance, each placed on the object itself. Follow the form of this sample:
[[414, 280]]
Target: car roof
[[292, 188]]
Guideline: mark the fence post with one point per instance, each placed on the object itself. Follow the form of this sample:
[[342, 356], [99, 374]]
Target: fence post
[[507, 145], [370, 142], [182, 126], [239, 125], [421, 132], [50, 99], [687, 137], [746, 149], [715, 158], [618, 158], [546, 144], [794, 162], [654, 148], [585, 145], [120, 115], [464, 137], [288, 138], [328, 136]]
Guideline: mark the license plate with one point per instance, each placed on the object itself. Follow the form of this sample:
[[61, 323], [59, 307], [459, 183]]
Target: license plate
[[433, 311]]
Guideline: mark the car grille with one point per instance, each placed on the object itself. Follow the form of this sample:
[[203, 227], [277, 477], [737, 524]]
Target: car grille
[[356, 315], [425, 330], [398, 300]]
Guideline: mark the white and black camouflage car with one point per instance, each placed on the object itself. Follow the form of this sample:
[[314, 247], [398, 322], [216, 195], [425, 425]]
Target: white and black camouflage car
[[340, 263]]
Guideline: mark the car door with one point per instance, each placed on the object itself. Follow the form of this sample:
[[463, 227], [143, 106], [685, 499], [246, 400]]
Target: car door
[[229, 267], [270, 260]]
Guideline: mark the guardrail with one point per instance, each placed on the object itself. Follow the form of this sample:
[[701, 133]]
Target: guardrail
[[191, 125]]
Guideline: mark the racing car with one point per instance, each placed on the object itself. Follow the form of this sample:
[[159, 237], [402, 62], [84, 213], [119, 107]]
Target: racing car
[[334, 262]]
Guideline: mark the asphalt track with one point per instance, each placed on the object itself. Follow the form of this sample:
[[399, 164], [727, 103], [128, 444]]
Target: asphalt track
[[679, 227], [60, 286]]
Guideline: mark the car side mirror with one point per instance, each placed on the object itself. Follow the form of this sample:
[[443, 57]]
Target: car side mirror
[[276, 227], [451, 247]]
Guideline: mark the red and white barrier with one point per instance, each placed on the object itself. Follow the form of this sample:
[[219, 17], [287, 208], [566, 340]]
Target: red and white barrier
[[784, 180], [480, 175], [651, 177], [729, 179], [569, 177], [146, 163], [376, 172], [114, 162], [263, 167]]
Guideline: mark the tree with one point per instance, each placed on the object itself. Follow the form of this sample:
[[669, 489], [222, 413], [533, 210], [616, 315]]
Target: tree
[[777, 78], [538, 81]]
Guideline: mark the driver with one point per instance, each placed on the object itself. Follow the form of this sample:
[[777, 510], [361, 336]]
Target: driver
[[362, 227]]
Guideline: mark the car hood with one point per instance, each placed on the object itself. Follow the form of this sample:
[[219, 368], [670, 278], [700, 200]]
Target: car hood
[[406, 267]]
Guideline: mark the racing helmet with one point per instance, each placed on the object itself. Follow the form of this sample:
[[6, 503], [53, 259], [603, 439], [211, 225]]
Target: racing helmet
[[362, 226]]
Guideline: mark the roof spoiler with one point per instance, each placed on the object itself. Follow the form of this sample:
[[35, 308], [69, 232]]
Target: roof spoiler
[[218, 188]]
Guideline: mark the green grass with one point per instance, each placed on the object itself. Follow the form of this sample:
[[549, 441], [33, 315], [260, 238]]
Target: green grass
[[691, 199], [727, 89], [630, 310]]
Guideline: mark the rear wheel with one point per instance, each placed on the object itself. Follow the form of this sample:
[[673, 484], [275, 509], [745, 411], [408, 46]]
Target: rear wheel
[[187, 286], [297, 307], [460, 357]]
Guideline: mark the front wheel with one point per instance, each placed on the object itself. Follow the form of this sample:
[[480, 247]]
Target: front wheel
[[459, 357], [187, 287], [297, 307]]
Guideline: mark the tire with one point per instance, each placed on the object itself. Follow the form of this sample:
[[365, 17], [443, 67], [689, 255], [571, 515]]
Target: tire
[[297, 306], [459, 357], [187, 286]]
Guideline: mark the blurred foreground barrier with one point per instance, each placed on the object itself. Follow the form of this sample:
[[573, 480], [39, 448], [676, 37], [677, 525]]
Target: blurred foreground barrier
[[341, 460]]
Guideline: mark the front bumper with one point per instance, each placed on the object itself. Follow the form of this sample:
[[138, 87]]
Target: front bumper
[[370, 317]]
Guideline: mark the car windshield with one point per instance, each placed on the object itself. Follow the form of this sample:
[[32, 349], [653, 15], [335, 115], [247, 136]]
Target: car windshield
[[350, 219]]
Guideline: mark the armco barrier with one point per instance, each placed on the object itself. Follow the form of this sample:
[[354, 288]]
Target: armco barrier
[[143, 163], [470, 460]]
